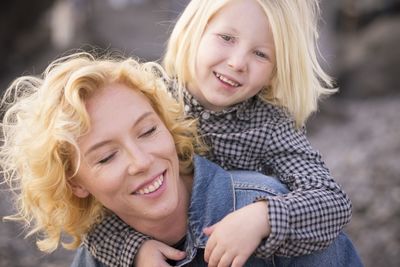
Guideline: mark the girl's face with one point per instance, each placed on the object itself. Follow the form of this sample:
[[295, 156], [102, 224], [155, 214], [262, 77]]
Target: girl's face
[[128, 158], [236, 56]]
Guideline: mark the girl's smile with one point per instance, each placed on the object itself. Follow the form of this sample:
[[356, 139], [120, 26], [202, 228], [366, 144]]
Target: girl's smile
[[228, 81]]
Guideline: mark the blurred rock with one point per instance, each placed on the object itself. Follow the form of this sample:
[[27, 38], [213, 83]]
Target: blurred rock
[[19, 34], [368, 61]]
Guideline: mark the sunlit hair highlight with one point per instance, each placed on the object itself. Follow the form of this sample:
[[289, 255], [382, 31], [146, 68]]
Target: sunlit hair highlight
[[298, 80], [43, 118]]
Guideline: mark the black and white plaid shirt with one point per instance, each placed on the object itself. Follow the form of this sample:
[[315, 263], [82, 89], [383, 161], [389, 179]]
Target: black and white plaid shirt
[[255, 136]]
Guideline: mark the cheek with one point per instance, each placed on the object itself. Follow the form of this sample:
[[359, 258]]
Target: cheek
[[104, 181], [169, 145], [206, 53], [199, 64], [166, 144], [111, 179], [262, 77]]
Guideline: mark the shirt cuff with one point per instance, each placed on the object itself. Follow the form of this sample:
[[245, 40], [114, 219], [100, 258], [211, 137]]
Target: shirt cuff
[[279, 222]]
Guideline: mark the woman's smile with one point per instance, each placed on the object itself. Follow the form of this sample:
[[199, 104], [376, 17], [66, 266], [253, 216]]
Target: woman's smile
[[152, 187]]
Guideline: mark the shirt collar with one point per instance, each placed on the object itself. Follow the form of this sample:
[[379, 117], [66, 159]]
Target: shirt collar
[[194, 109]]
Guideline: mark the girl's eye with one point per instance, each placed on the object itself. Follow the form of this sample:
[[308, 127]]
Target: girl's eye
[[261, 54], [149, 132], [106, 159], [226, 38]]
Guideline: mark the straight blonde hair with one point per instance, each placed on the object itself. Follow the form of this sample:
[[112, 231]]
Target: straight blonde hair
[[298, 80], [43, 118]]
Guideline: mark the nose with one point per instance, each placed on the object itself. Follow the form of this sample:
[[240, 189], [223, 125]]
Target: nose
[[237, 61], [139, 160]]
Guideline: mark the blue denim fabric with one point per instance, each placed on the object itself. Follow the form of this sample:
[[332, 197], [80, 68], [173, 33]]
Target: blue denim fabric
[[83, 258], [215, 194]]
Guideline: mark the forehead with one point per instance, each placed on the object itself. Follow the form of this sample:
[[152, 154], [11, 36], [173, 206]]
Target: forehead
[[247, 18], [240, 12], [115, 101]]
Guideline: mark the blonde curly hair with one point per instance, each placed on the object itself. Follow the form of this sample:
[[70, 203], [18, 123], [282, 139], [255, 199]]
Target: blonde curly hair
[[43, 118]]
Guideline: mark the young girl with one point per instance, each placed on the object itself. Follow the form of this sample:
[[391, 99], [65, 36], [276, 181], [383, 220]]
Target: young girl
[[248, 70]]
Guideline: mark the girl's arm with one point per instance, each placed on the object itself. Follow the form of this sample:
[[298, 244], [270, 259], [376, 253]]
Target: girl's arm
[[234, 239], [311, 216], [116, 244]]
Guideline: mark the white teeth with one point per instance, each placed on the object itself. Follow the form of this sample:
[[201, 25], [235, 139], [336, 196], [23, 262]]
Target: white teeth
[[153, 187], [226, 80]]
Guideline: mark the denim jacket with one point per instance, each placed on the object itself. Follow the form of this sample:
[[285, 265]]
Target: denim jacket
[[216, 193]]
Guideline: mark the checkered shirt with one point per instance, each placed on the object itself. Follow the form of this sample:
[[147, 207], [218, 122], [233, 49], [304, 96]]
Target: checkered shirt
[[257, 136], [254, 135], [113, 242]]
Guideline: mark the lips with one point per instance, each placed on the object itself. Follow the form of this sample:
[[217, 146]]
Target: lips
[[226, 80], [152, 187]]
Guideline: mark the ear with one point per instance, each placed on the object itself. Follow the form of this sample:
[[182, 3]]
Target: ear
[[78, 189]]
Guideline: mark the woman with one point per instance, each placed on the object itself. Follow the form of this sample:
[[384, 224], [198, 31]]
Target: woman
[[94, 139]]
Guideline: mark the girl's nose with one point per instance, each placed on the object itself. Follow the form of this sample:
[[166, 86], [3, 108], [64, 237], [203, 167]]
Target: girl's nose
[[237, 61]]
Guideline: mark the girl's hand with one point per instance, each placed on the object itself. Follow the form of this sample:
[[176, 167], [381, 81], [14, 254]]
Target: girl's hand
[[155, 253], [233, 239]]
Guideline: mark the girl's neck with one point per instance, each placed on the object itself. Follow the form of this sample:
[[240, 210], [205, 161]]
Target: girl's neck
[[196, 93]]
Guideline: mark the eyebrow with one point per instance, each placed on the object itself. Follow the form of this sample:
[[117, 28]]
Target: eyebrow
[[227, 29], [102, 143]]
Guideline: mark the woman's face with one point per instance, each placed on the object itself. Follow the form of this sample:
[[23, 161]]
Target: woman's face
[[128, 158]]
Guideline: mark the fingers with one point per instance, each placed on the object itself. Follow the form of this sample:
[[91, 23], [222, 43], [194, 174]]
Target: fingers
[[238, 262], [219, 258], [172, 253], [216, 255], [225, 259], [155, 253], [220, 255], [209, 249], [209, 230]]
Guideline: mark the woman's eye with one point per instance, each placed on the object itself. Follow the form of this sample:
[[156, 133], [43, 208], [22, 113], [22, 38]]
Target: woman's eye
[[106, 159], [226, 38], [149, 132], [261, 54]]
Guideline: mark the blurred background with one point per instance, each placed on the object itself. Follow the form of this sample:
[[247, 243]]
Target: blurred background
[[357, 130]]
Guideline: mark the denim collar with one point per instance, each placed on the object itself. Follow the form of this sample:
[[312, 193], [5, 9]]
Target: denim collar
[[212, 198]]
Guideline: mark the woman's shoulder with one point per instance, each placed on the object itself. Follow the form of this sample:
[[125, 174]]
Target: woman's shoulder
[[83, 258]]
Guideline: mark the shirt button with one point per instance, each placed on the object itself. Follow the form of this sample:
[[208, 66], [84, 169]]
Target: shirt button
[[205, 115], [229, 116], [187, 108], [194, 101]]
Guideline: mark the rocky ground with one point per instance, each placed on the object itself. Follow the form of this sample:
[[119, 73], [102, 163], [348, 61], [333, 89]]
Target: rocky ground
[[360, 141]]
